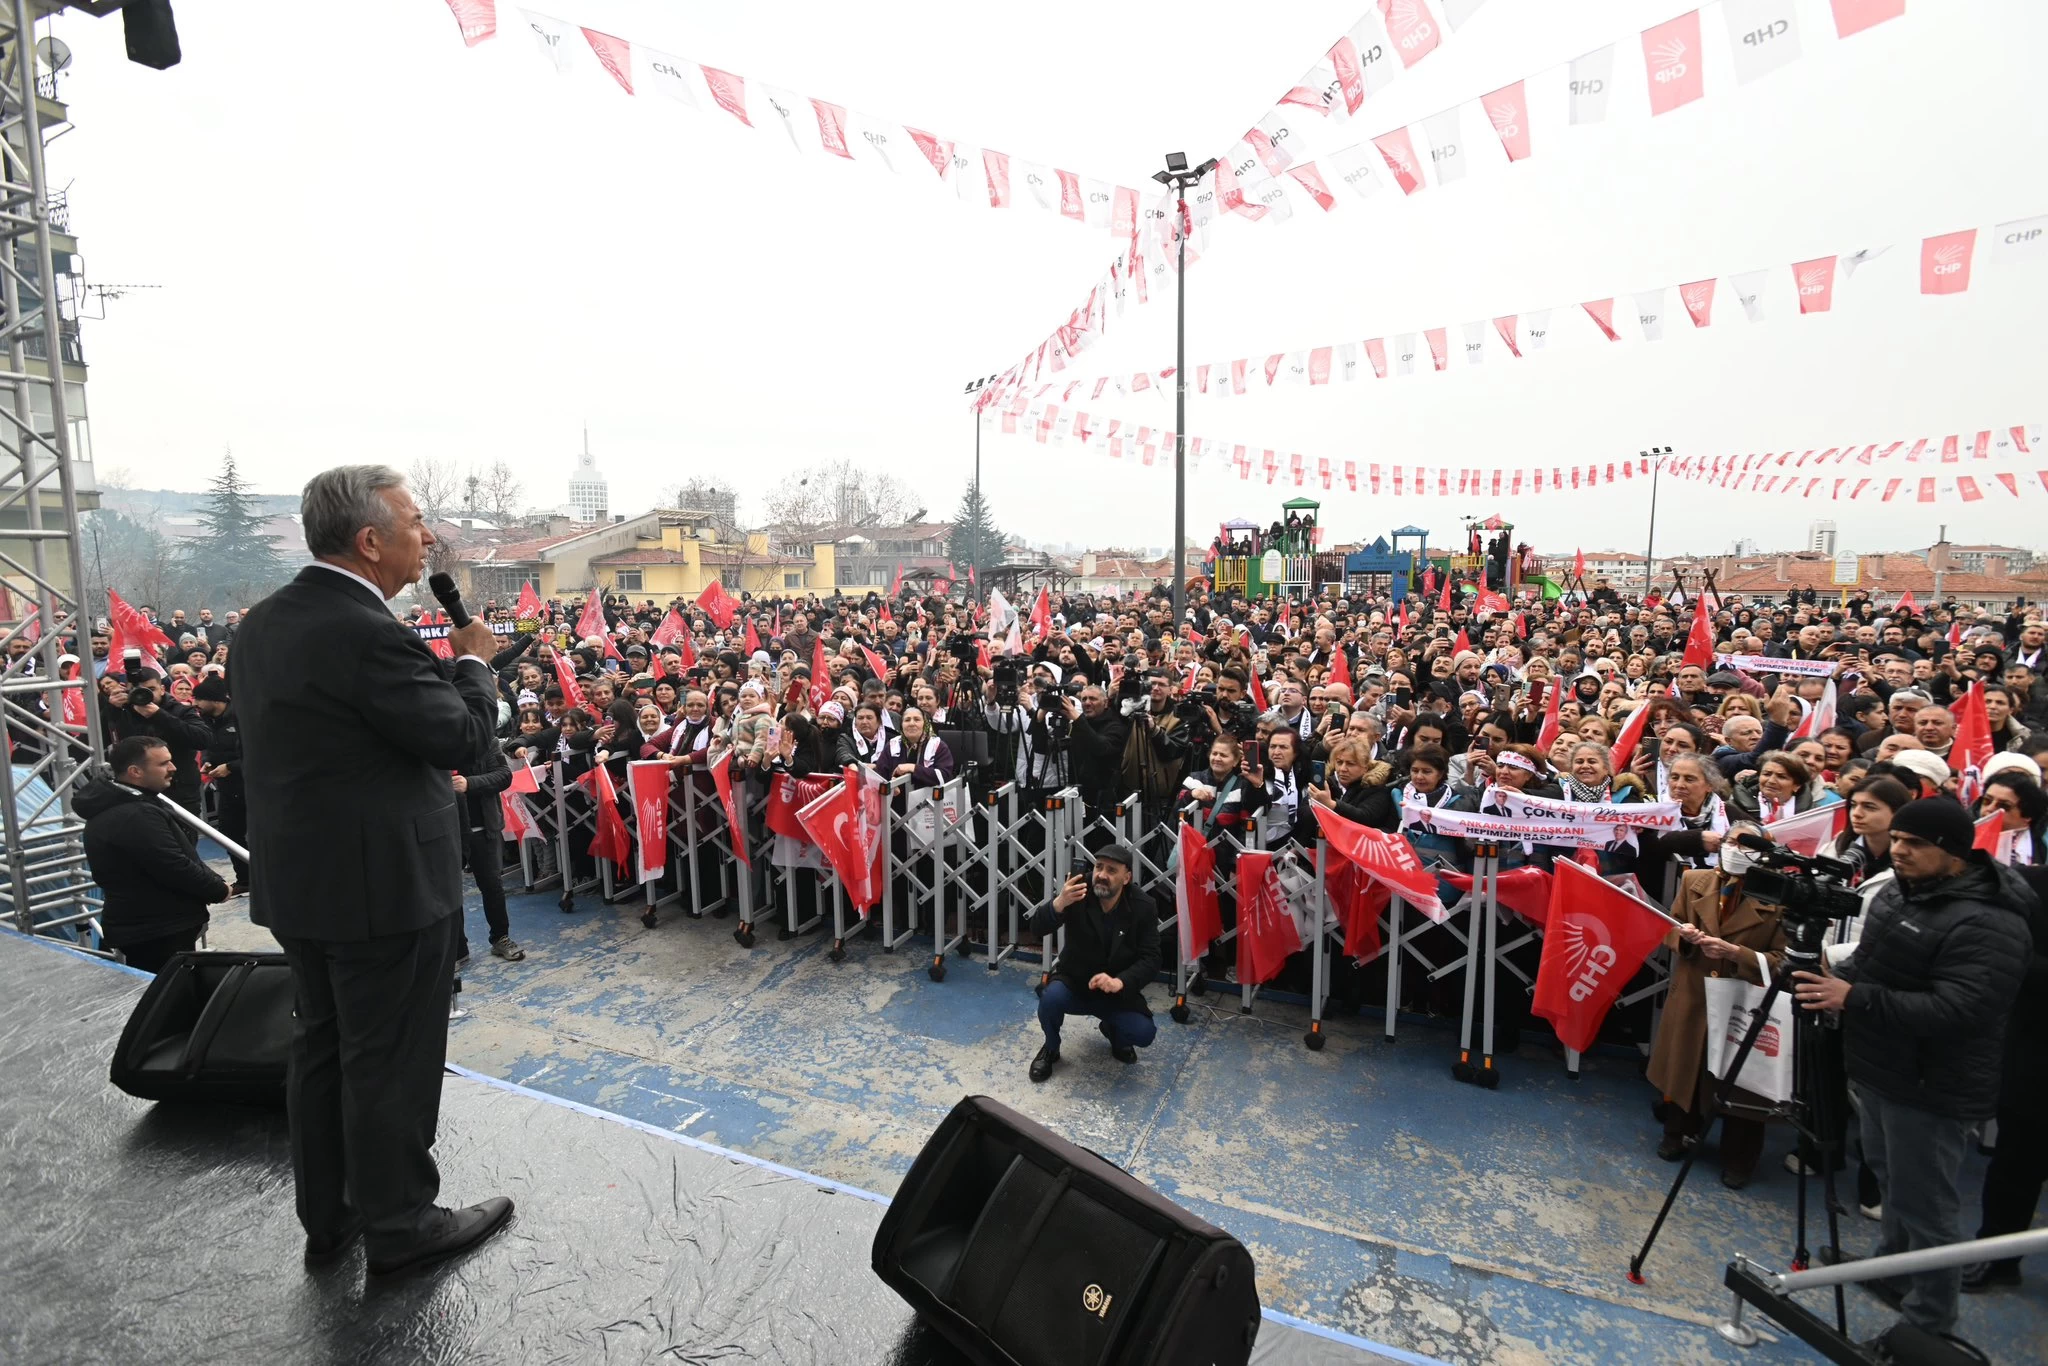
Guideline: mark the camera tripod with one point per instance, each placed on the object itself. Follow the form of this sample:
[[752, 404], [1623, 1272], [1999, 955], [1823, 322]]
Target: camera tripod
[[1810, 1110]]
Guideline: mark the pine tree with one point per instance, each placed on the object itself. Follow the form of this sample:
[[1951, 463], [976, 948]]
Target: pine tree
[[231, 562], [976, 542]]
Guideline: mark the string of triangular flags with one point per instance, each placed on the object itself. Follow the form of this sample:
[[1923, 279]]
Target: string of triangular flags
[[1947, 266], [821, 128], [1276, 161]]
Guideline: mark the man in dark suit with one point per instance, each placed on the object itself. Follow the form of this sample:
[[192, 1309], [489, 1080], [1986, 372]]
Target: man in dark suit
[[350, 731]]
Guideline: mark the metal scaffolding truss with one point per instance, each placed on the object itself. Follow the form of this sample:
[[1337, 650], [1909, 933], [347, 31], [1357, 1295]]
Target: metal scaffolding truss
[[48, 888]]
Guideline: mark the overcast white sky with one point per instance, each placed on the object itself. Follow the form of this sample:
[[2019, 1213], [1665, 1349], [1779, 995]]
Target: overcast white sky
[[374, 243]]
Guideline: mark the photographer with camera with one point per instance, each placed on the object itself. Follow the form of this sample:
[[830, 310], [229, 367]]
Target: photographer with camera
[[1155, 749], [1033, 709], [1111, 952], [1099, 736], [1924, 1003], [151, 711]]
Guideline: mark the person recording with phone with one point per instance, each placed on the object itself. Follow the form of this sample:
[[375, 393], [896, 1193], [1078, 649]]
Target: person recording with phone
[[1110, 952], [1924, 1003]]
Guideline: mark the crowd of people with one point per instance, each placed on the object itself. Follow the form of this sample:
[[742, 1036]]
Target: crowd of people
[[1253, 712]]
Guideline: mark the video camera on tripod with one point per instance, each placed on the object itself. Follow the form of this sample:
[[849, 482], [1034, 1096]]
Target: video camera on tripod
[[1810, 890]]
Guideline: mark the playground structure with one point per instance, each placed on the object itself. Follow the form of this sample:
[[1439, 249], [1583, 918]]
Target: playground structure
[[1491, 559], [1282, 560]]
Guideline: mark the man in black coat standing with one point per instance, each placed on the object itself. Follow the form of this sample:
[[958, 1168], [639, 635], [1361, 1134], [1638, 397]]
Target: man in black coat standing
[[1111, 952], [224, 767], [144, 859], [350, 731]]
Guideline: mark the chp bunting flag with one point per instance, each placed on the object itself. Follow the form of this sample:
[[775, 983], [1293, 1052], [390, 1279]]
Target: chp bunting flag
[[1194, 895], [1266, 932], [1387, 859], [1595, 937], [647, 781], [718, 604], [477, 19], [1671, 52], [721, 779]]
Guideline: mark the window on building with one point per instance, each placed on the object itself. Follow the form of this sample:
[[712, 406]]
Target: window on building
[[793, 580], [628, 580], [729, 579], [878, 578]]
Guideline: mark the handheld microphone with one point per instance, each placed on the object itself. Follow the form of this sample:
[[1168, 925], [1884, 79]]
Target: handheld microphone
[[450, 597]]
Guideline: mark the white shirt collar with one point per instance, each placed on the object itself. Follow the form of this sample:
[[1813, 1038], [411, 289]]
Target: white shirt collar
[[375, 591]]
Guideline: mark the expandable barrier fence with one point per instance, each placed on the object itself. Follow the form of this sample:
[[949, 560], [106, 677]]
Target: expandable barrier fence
[[963, 873]]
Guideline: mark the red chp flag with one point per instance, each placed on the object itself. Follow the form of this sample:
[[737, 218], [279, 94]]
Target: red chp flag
[[1972, 749], [753, 638], [1489, 601], [572, 692], [1266, 932], [529, 603], [1524, 890], [877, 665], [1699, 642], [1595, 937], [821, 677], [846, 824], [1553, 724], [672, 629], [1579, 563], [718, 604], [1358, 901], [1387, 859], [1340, 667], [611, 839], [721, 779], [1990, 834], [647, 781], [1194, 895], [1443, 603], [133, 631], [1806, 832], [519, 824]]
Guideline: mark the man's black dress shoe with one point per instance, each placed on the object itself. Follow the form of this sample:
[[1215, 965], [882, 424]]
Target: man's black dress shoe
[[453, 1231], [321, 1251]]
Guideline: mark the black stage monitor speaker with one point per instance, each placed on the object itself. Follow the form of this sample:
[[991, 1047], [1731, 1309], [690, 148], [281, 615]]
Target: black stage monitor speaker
[[212, 1027], [1022, 1249]]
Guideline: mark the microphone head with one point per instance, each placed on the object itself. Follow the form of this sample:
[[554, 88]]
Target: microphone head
[[442, 586]]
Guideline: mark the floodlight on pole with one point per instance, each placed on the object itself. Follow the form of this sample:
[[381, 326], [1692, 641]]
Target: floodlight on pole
[[1178, 175]]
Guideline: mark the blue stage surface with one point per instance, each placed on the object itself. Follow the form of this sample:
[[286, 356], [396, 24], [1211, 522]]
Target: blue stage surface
[[1378, 1196]]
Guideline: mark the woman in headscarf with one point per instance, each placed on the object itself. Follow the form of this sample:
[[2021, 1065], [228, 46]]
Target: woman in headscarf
[[917, 753], [862, 742]]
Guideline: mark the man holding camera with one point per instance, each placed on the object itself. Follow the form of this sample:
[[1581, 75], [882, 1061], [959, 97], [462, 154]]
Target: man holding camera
[[1110, 952], [1924, 1003]]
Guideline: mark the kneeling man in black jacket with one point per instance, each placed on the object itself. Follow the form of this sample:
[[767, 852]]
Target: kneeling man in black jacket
[[145, 862], [1112, 950], [1925, 1001]]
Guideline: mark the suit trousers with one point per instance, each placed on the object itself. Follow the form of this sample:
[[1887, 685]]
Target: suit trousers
[[369, 1040], [233, 815]]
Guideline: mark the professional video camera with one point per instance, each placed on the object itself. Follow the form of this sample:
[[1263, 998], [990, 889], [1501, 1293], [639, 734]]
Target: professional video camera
[[1009, 677], [1239, 719], [1812, 890]]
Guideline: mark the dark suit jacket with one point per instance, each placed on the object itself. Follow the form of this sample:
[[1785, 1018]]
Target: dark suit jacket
[[350, 732]]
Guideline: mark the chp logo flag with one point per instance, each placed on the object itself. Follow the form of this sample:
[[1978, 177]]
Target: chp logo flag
[[1806, 832], [1524, 890], [1945, 262], [519, 824], [672, 629], [718, 604], [529, 609], [572, 692], [1266, 932], [591, 622], [647, 781], [611, 840], [1699, 642], [1385, 858], [721, 780], [1816, 281], [1672, 52], [1194, 895], [1595, 937]]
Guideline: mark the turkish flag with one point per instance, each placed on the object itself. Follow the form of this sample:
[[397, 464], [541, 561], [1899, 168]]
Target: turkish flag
[[845, 822], [1552, 723], [1990, 833], [876, 664], [1463, 643], [721, 779], [647, 780], [718, 604], [524, 779], [1819, 716], [1258, 690], [1595, 937], [529, 603], [687, 655], [1806, 832], [1631, 735], [1699, 642], [1404, 615], [1443, 603], [1579, 563], [821, 677], [1266, 933], [1906, 603], [1041, 616], [1524, 890], [1194, 895], [1972, 749], [572, 692], [787, 795], [612, 840], [753, 638], [1340, 667], [1385, 858]]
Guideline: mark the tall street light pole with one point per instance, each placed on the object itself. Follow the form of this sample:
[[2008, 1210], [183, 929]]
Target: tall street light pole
[[1180, 177], [1655, 455]]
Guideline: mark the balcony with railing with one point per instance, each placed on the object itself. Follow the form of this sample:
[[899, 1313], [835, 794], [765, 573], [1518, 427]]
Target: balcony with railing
[[36, 347], [58, 210]]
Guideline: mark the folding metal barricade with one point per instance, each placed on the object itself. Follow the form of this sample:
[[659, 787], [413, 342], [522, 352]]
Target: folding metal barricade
[[930, 865], [1021, 845], [699, 841]]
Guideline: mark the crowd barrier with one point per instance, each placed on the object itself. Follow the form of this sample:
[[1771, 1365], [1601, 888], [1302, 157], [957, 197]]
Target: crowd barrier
[[975, 867]]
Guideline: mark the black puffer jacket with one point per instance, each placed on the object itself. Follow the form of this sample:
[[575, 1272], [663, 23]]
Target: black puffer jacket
[[1935, 975], [146, 865]]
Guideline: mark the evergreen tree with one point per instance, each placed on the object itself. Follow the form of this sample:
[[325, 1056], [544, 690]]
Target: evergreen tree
[[231, 562], [976, 542]]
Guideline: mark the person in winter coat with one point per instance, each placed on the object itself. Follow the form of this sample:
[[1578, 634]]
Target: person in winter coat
[[1924, 1003], [146, 863], [1111, 951], [224, 767], [477, 794], [152, 711], [1721, 933], [2012, 1186]]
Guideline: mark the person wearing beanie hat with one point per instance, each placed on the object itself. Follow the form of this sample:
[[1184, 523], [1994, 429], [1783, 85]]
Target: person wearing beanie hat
[[224, 769], [1110, 952], [1924, 1003]]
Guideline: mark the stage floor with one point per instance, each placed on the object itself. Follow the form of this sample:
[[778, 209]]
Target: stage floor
[[146, 1233]]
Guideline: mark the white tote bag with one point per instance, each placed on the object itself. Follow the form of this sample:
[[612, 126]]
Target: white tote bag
[[1731, 1006]]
